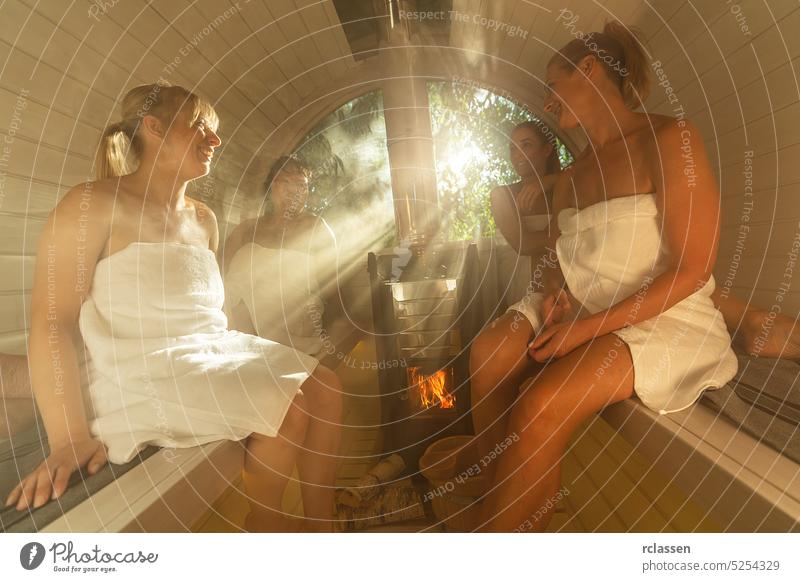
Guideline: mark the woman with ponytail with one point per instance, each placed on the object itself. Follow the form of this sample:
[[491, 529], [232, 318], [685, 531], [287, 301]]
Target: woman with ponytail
[[129, 262], [627, 308]]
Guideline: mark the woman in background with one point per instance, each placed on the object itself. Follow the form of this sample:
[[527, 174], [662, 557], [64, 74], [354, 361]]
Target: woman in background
[[164, 368], [522, 210], [274, 264], [522, 214]]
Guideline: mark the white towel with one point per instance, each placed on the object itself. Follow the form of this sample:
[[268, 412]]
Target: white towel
[[280, 290], [608, 252], [521, 287], [164, 369]]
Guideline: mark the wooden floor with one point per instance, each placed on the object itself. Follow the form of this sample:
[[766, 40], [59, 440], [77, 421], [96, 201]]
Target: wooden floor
[[607, 487]]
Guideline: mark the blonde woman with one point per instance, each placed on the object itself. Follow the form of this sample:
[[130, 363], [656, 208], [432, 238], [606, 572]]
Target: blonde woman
[[129, 262], [499, 358], [635, 235]]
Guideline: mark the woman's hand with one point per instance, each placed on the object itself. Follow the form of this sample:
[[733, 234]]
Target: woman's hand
[[560, 339], [528, 194], [557, 307], [50, 479]]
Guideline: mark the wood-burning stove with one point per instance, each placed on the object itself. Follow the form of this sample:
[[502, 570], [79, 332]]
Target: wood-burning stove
[[425, 314]]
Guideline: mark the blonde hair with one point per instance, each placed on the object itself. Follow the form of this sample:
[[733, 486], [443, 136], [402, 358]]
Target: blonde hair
[[161, 100], [624, 58]]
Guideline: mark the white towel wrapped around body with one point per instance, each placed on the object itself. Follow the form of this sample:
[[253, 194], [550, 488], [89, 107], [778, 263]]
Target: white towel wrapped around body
[[164, 369], [610, 251], [530, 301], [280, 290]]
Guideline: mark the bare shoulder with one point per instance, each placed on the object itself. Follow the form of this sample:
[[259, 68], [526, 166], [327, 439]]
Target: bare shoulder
[[78, 228], [207, 220], [90, 199], [503, 191], [670, 140], [667, 128]]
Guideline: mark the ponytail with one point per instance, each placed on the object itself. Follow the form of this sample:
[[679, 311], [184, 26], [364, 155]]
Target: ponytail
[[619, 49], [112, 153], [121, 141], [636, 81]]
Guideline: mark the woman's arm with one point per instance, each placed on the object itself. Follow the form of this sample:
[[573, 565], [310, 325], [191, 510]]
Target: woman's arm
[[208, 220], [238, 316], [690, 231], [556, 304], [73, 239], [508, 219]]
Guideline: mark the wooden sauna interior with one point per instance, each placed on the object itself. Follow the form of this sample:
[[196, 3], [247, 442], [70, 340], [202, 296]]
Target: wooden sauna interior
[[275, 68]]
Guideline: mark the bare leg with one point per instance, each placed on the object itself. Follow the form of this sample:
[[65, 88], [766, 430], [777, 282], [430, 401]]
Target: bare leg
[[498, 364], [268, 464], [759, 332], [553, 406], [319, 459]]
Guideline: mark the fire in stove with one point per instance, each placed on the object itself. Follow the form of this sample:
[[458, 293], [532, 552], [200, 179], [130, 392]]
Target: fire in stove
[[426, 316], [431, 390]]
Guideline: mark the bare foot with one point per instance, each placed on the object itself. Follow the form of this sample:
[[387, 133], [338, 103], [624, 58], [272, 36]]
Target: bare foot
[[762, 335]]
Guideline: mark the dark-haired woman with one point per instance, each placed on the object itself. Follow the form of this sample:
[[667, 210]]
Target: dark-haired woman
[[522, 210], [277, 265], [498, 356]]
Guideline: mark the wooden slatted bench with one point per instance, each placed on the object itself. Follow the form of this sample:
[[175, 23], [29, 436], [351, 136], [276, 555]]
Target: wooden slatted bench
[[171, 489], [746, 485]]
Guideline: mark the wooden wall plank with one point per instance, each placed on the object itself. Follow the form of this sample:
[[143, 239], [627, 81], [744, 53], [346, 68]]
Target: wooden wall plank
[[772, 47], [684, 26], [15, 313], [17, 274]]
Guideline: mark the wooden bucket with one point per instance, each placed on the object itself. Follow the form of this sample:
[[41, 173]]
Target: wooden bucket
[[456, 478]]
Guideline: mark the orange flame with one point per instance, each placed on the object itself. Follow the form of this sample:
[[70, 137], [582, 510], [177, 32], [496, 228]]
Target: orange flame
[[432, 389]]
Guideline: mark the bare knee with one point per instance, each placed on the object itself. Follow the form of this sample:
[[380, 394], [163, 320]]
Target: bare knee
[[539, 409], [323, 390], [295, 423], [500, 350]]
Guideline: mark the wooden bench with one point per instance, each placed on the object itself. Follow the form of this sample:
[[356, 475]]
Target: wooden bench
[[170, 490], [746, 485]]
